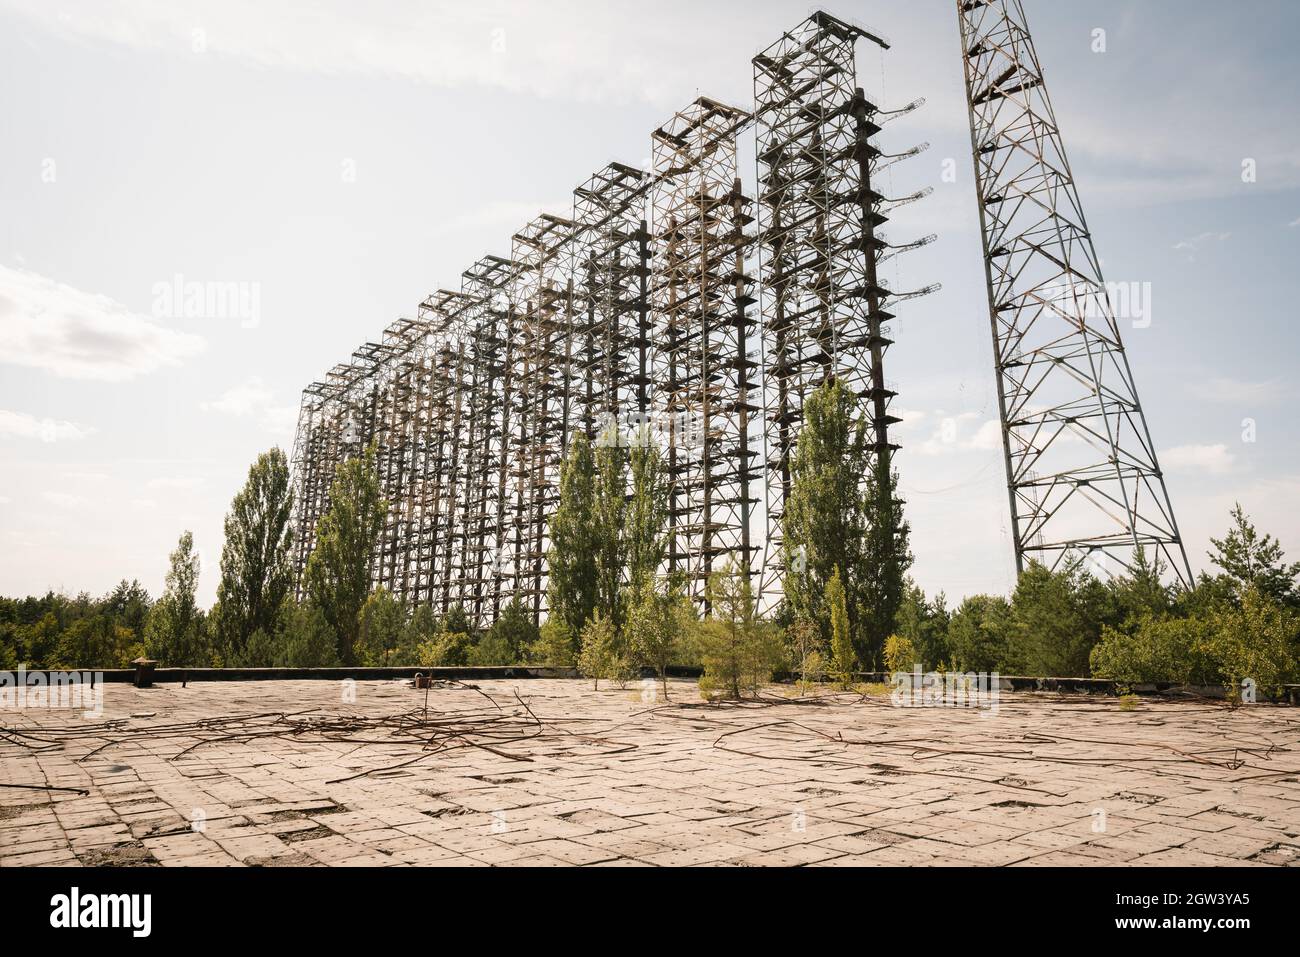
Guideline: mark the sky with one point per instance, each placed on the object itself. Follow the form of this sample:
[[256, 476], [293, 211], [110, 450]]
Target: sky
[[333, 163]]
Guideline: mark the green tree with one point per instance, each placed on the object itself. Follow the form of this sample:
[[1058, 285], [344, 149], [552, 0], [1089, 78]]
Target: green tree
[[824, 525], [512, 636], [880, 582], [1256, 641], [309, 640], [979, 635], [843, 657], [256, 574], [646, 514], [1140, 593], [657, 624], [446, 649], [559, 647], [1254, 561], [598, 658], [739, 651], [1056, 618], [924, 624], [572, 589], [807, 651], [1156, 650], [338, 572], [901, 654], [383, 627], [174, 632], [609, 515]]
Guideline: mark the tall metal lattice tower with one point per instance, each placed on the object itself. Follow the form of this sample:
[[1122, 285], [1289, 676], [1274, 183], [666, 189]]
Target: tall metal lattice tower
[[825, 312], [1082, 472]]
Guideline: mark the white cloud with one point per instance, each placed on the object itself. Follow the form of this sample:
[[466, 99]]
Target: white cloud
[[1294, 223], [1197, 243], [45, 324], [1210, 459], [1223, 389], [26, 426], [241, 400], [558, 48], [182, 482], [65, 499], [254, 398]]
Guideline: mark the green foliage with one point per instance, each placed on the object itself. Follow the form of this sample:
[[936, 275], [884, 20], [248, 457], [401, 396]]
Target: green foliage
[[256, 575], [824, 523], [1056, 618], [558, 646], [446, 649], [656, 627], [96, 641], [382, 629], [609, 515], [843, 513], [1141, 593], [738, 650], [1157, 650], [882, 579], [807, 650], [511, 639], [647, 512], [901, 654], [338, 572], [458, 622], [308, 639], [599, 658], [175, 633], [1250, 560], [572, 558], [844, 660], [978, 635], [925, 624], [1256, 641]]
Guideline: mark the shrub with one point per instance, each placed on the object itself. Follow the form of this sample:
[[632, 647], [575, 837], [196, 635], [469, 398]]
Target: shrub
[[900, 654]]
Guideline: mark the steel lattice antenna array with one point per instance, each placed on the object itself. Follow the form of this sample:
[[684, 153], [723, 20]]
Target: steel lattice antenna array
[[636, 308], [1082, 472]]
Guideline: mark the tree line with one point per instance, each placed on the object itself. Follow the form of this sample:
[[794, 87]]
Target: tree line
[[849, 606]]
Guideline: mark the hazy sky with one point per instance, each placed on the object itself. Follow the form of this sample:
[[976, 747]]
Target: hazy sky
[[344, 160]]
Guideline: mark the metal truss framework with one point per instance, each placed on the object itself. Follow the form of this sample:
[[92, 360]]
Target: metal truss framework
[[634, 310], [1083, 477]]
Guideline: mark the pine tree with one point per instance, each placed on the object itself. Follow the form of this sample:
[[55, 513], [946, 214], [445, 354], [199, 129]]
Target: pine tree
[[338, 572], [1253, 561], [256, 574]]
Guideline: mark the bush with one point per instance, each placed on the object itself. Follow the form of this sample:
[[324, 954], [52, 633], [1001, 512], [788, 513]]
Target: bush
[[556, 646], [448, 649], [978, 635], [900, 654], [1156, 650], [308, 640], [597, 659], [1255, 642]]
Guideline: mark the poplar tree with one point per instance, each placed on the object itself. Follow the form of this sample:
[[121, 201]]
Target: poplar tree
[[572, 557], [256, 574], [338, 572]]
